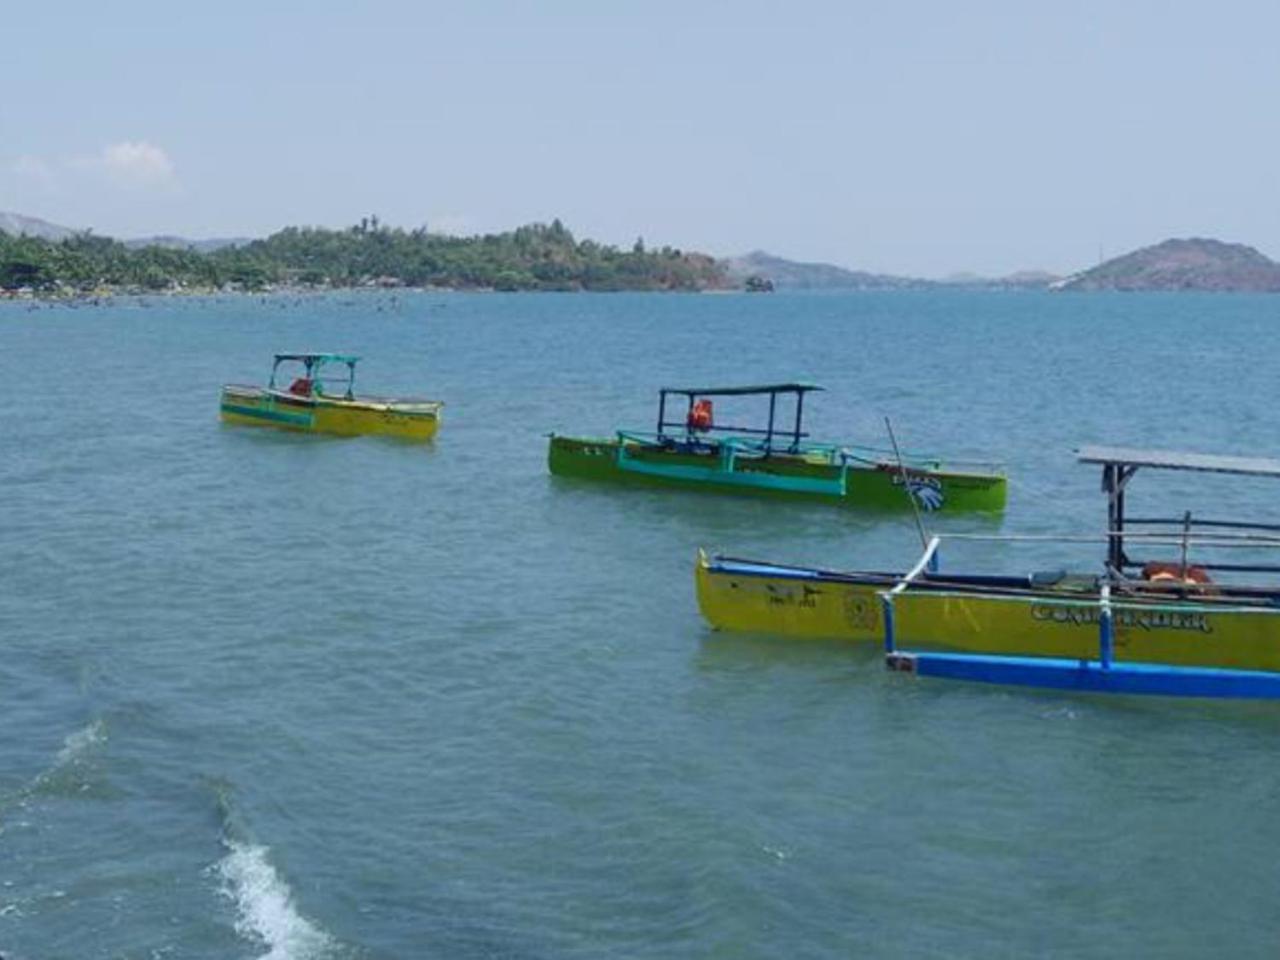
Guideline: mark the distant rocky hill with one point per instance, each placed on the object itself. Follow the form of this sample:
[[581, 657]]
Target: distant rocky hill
[[18, 225], [793, 275], [1191, 264]]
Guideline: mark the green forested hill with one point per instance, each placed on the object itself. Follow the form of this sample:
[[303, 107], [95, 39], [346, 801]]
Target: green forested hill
[[533, 257]]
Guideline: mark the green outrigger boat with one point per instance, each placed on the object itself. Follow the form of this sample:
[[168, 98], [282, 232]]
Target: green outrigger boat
[[694, 452]]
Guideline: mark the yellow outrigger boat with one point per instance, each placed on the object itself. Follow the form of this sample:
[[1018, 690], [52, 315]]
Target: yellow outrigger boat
[[311, 404], [1152, 626]]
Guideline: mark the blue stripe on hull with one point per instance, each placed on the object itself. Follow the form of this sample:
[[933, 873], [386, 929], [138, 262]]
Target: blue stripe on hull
[[255, 413], [1089, 676]]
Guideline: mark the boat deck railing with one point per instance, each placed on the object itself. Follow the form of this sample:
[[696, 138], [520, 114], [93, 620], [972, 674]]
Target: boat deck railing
[[832, 454], [887, 458], [726, 457], [1114, 589], [1184, 541], [407, 403]]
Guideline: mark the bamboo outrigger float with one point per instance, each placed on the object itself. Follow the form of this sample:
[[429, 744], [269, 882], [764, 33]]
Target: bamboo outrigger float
[[312, 404], [690, 450], [1143, 626]]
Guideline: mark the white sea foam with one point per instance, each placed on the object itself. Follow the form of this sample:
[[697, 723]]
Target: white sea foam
[[75, 744], [264, 906], [63, 771]]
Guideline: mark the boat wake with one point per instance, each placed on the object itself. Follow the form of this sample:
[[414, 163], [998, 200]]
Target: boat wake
[[265, 912]]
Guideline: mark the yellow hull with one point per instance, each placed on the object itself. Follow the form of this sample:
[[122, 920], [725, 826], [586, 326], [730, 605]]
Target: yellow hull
[[354, 418], [788, 606], [1051, 623], [407, 419]]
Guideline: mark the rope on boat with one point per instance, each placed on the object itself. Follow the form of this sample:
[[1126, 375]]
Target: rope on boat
[[906, 488]]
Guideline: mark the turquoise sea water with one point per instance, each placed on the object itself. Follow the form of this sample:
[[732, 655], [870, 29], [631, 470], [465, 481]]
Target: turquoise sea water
[[293, 697]]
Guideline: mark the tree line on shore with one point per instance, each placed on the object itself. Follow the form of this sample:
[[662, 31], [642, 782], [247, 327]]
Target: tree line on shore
[[533, 257]]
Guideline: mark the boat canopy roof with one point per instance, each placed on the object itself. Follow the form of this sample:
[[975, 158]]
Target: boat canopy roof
[[310, 358], [1173, 460], [798, 388]]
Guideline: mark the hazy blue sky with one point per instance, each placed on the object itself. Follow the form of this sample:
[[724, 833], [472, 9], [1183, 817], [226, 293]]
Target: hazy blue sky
[[922, 138]]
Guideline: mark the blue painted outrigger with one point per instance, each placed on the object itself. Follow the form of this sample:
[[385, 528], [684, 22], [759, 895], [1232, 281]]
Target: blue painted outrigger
[[1234, 622], [1092, 676]]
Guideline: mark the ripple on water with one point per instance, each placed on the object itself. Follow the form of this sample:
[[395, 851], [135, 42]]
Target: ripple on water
[[465, 701]]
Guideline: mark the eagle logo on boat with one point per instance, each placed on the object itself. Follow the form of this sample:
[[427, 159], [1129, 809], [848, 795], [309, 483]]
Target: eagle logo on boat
[[927, 492]]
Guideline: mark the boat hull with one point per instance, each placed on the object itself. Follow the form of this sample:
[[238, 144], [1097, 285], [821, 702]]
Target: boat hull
[[1057, 622], [779, 476], [361, 416]]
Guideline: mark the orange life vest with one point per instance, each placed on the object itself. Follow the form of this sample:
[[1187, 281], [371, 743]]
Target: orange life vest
[[700, 415]]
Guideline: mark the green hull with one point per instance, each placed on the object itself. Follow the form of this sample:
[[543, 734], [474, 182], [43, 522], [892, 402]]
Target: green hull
[[779, 475]]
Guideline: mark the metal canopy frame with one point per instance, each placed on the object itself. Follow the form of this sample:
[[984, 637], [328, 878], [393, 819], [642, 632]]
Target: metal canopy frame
[[1119, 464], [772, 391], [314, 363]]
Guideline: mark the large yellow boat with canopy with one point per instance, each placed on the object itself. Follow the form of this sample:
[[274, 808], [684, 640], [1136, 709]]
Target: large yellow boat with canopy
[[320, 400], [1195, 621]]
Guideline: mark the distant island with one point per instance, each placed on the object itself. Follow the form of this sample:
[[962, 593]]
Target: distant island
[[793, 275], [798, 275], [1188, 264], [370, 254], [38, 258], [1192, 264]]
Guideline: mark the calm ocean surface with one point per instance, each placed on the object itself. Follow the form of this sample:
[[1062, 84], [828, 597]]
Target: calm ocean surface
[[292, 697]]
